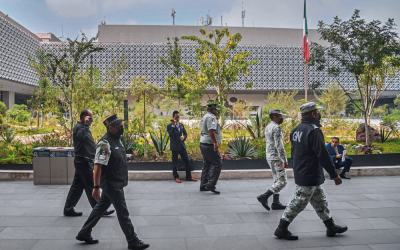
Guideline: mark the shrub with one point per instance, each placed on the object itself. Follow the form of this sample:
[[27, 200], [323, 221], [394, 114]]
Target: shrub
[[241, 148], [3, 109], [19, 113]]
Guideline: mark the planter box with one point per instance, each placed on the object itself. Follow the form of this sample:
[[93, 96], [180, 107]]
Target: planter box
[[359, 161]]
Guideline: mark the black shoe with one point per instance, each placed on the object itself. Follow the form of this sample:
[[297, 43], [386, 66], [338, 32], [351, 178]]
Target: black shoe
[[343, 176], [137, 244], [282, 231], [263, 199], [332, 229], [72, 213], [276, 204], [203, 189], [214, 190], [108, 212], [87, 239]]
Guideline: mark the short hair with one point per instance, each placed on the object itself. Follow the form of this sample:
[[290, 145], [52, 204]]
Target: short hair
[[337, 138], [271, 116], [309, 113], [84, 113], [174, 113]]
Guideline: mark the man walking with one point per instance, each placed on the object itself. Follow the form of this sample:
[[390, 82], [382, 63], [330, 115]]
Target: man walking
[[276, 158], [210, 140], [111, 174], [309, 158], [177, 136], [85, 149]]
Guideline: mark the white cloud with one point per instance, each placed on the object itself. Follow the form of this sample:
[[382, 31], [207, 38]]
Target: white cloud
[[73, 8]]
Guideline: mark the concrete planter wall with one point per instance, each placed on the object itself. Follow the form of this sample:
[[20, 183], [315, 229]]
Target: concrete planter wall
[[359, 161]]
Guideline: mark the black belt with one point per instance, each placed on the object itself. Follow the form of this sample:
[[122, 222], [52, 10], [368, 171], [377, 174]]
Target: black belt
[[87, 158], [206, 144]]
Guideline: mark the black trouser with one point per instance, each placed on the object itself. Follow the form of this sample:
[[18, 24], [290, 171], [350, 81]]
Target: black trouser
[[108, 197], [185, 157], [212, 165], [83, 180]]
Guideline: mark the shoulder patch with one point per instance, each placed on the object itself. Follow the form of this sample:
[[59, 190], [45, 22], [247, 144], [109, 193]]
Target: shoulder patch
[[314, 126]]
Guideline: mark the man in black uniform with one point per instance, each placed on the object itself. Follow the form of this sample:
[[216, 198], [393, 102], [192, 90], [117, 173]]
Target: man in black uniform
[[85, 149], [309, 158], [111, 174]]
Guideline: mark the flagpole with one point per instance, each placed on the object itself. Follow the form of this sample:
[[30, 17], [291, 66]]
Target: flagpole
[[306, 87]]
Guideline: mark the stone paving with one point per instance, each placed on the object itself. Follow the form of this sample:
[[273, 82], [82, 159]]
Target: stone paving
[[173, 216]]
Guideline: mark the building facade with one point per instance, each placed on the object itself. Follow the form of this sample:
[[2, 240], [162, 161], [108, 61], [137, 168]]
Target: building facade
[[279, 52]]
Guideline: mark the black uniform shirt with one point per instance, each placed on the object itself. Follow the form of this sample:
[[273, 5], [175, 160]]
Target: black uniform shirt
[[83, 140], [310, 155]]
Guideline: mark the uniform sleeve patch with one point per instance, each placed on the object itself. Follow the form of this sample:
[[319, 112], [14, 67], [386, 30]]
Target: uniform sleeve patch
[[103, 153], [213, 121]]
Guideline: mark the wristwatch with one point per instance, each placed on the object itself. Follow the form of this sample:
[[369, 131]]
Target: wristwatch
[[96, 187]]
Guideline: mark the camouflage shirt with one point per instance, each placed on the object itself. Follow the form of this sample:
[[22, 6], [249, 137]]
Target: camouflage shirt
[[275, 147]]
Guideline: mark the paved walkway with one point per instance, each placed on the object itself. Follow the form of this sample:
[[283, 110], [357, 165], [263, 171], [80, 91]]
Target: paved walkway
[[173, 216]]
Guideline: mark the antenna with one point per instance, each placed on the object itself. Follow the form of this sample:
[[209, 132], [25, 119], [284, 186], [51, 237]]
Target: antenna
[[173, 16], [243, 15], [104, 21], [221, 21]]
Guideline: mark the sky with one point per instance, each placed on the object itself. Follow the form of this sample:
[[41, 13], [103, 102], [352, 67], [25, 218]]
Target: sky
[[65, 18]]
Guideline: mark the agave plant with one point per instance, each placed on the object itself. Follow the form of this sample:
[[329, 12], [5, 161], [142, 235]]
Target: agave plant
[[8, 136], [385, 134], [256, 128], [240, 148], [128, 141], [161, 143]]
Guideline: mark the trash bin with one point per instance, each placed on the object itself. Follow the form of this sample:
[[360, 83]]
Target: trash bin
[[41, 166], [58, 165]]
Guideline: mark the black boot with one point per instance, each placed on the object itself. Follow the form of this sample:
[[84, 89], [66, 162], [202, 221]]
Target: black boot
[[276, 204], [283, 232], [137, 244], [332, 229], [263, 199]]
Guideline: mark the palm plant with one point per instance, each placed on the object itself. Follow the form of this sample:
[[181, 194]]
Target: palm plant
[[240, 148], [256, 127], [161, 143]]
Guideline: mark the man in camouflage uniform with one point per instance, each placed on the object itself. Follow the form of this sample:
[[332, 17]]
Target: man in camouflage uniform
[[276, 158], [310, 158]]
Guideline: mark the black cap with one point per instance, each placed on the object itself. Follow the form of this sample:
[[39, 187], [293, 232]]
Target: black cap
[[212, 106], [114, 119]]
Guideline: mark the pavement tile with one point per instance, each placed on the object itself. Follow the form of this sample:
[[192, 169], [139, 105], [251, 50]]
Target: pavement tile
[[375, 204], [26, 221], [17, 244], [367, 237], [306, 240], [155, 244], [376, 212], [26, 233], [70, 244], [385, 246], [209, 219], [166, 232], [336, 213], [224, 243], [238, 229]]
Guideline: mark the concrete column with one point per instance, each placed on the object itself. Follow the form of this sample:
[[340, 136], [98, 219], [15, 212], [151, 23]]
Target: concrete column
[[8, 98]]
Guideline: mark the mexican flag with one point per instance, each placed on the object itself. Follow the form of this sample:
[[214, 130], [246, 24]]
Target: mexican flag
[[306, 52]]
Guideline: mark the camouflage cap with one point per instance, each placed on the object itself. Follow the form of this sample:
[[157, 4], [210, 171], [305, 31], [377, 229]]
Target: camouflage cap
[[309, 106], [276, 111]]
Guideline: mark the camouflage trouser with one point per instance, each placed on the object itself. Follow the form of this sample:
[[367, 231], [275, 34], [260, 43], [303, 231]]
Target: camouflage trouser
[[279, 175], [301, 197]]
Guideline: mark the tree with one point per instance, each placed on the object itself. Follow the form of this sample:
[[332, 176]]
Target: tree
[[61, 71], [397, 101], [363, 51], [141, 90], [175, 89], [219, 68], [333, 98]]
